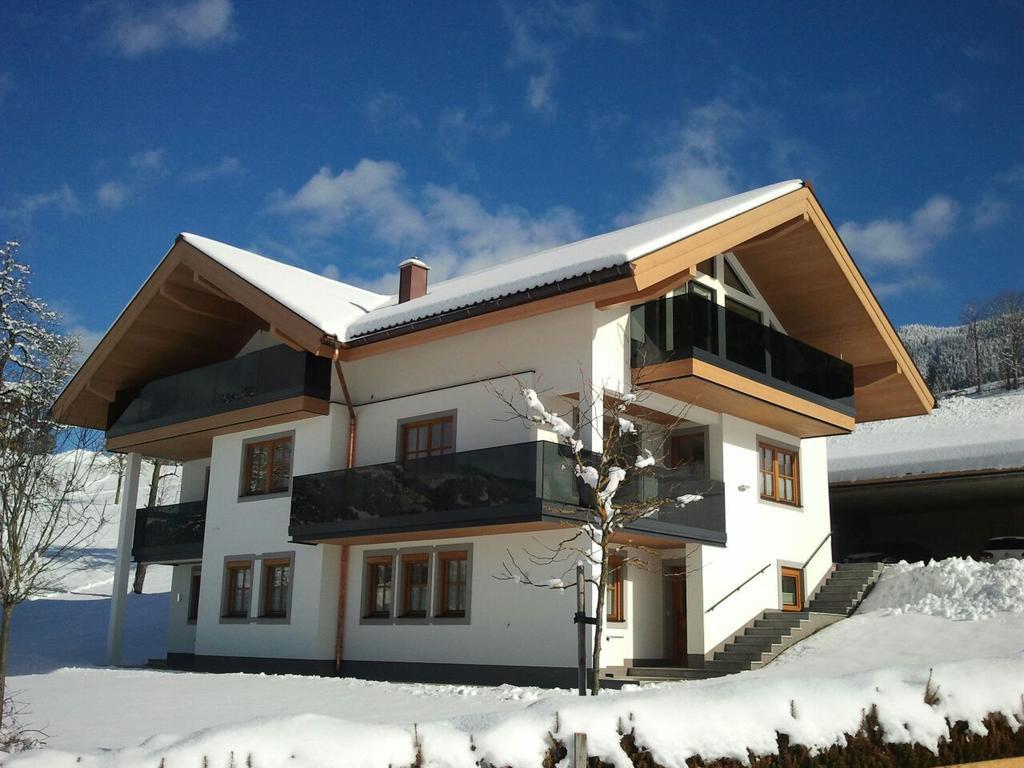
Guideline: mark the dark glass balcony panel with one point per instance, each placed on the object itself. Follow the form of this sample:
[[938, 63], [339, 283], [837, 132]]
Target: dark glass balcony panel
[[169, 533], [522, 483], [687, 325], [266, 376]]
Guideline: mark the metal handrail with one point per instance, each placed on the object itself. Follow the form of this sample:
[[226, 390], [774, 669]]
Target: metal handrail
[[741, 586], [816, 549]]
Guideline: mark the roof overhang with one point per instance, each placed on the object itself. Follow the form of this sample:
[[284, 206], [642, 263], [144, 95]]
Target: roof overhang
[[190, 312]]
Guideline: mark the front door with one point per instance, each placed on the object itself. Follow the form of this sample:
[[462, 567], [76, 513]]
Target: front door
[[792, 589], [677, 614]]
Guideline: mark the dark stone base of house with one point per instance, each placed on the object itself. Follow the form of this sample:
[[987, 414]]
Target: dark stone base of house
[[391, 671]]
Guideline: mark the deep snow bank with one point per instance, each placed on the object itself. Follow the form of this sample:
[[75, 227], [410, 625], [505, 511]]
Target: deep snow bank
[[955, 588]]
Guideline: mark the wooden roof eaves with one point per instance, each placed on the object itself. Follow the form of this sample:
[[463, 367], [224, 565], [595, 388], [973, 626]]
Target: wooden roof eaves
[[293, 328]]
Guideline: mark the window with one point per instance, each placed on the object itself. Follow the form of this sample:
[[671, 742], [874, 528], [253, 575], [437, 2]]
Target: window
[[732, 278], [792, 589], [268, 466], [431, 437], [238, 589], [276, 582], [415, 585], [193, 595], [454, 567], [614, 607], [379, 587], [780, 476], [687, 452]]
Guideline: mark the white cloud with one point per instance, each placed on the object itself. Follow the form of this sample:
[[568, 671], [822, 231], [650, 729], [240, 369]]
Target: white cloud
[[541, 32], [87, 339], [454, 232], [63, 199], [457, 125], [916, 283], [228, 166], [697, 166], [137, 29], [388, 111], [989, 212], [902, 243], [112, 194], [148, 160]]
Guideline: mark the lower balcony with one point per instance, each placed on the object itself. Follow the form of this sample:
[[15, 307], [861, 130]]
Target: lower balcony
[[171, 533], [521, 487]]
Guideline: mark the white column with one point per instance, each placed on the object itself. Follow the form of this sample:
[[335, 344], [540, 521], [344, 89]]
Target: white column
[[123, 563]]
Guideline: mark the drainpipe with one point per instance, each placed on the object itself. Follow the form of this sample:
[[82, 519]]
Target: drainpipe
[[351, 410], [343, 561]]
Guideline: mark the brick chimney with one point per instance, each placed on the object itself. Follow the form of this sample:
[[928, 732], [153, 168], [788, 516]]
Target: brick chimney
[[412, 280]]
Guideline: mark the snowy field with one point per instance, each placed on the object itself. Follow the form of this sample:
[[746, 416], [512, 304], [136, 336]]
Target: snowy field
[[964, 619], [965, 432]]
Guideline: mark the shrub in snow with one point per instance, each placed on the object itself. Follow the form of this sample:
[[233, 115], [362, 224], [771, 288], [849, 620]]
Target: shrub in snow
[[956, 588]]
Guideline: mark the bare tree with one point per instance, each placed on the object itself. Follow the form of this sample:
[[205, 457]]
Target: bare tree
[[611, 488], [1006, 317], [46, 509]]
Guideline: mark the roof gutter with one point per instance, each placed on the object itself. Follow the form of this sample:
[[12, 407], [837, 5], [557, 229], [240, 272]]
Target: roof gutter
[[606, 275]]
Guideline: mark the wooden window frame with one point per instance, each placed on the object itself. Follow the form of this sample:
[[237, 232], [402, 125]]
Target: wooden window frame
[[405, 560], [248, 448], [267, 564], [429, 423], [797, 574], [443, 558], [615, 607], [194, 585], [776, 450], [229, 610], [370, 567]]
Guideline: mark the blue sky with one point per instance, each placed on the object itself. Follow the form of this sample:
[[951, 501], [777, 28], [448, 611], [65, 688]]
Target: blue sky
[[345, 137]]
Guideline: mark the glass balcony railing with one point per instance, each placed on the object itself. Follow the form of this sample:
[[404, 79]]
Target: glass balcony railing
[[169, 533], [687, 326], [521, 483], [265, 376]]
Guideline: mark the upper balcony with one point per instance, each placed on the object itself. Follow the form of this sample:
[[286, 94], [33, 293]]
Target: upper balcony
[[527, 486], [176, 416], [694, 350], [171, 533]]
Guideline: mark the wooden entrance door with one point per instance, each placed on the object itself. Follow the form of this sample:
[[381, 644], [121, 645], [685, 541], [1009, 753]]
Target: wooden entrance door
[[792, 589], [677, 615]]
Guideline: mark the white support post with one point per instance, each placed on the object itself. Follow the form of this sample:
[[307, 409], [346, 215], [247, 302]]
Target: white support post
[[123, 563]]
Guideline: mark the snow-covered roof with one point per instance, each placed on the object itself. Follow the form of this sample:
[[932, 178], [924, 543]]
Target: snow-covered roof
[[964, 433], [348, 312], [566, 261], [328, 304]]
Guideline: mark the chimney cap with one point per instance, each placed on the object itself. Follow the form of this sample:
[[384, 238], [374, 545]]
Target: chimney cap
[[413, 263]]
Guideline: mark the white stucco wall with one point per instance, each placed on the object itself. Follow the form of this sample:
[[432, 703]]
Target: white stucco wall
[[181, 636]]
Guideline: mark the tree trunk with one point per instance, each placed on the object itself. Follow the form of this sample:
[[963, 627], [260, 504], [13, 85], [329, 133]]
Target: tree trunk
[[154, 495], [140, 578], [120, 482], [602, 584], [5, 636]]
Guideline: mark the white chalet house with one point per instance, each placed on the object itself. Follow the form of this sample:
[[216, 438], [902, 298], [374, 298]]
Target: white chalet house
[[351, 486]]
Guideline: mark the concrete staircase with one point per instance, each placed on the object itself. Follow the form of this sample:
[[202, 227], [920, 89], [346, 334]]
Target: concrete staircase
[[774, 631]]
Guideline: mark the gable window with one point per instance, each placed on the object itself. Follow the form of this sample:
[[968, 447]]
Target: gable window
[[276, 582], [454, 583], [193, 594], [430, 437], [238, 589], [614, 592], [415, 585], [780, 474], [379, 587], [707, 267], [267, 466], [732, 278]]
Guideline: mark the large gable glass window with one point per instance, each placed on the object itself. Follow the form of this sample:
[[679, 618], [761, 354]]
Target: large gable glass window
[[430, 437], [268, 466]]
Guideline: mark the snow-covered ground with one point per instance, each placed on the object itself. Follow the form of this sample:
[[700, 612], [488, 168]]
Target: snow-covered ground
[[965, 432], [962, 619]]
